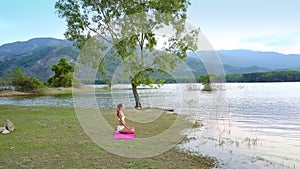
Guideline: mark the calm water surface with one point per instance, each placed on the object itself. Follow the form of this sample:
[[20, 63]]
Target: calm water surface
[[248, 125], [259, 127]]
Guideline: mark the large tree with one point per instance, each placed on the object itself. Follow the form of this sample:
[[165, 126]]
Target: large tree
[[63, 76], [131, 26]]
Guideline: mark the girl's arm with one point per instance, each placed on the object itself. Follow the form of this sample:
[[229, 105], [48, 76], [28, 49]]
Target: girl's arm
[[124, 124]]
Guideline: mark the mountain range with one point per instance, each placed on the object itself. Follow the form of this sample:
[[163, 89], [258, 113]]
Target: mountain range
[[35, 58]]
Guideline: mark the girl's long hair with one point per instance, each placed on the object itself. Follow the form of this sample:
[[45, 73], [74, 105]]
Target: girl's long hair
[[119, 107]]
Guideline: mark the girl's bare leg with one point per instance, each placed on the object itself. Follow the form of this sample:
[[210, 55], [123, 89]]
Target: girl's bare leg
[[126, 131]]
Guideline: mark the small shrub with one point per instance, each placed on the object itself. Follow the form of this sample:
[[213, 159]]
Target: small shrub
[[207, 87], [25, 84]]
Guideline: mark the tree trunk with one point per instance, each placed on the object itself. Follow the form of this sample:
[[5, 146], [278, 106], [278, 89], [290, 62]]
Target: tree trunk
[[136, 96]]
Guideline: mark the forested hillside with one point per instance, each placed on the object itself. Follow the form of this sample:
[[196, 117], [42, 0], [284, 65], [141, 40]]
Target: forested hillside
[[35, 58]]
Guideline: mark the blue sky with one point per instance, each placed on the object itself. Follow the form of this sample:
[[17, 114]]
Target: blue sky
[[266, 25]]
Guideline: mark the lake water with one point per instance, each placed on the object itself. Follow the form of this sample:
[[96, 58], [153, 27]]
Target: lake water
[[247, 125]]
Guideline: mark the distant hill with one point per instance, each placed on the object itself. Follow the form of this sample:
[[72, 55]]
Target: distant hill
[[269, 60], [199, 69], [35, 57]]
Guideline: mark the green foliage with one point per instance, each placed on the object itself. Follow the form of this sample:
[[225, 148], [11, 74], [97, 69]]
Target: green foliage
[[3, 82], [275, 76], [130, 27], [206, 80], [207, 87], [63, 76], [25, 84]]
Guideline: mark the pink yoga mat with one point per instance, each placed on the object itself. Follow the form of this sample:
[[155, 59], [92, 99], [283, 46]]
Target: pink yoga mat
[[118, 135]]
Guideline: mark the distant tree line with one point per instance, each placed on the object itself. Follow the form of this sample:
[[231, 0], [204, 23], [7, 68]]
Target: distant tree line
[[63, 77], [160, 80], [275, 76], [24, 83]]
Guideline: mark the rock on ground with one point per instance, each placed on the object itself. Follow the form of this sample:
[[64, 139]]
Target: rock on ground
[[9, 125]]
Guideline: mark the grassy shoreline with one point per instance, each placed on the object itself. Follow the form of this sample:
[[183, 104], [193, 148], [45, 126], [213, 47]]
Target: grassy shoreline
[[52, 91], [51, 137]]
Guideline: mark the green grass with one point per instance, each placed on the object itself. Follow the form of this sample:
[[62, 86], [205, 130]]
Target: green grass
[[48, 91], [51, 137], [69, 90]]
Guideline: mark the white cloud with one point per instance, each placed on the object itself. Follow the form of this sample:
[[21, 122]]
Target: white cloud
[[287, 43], [272, 40], [284, 43]]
